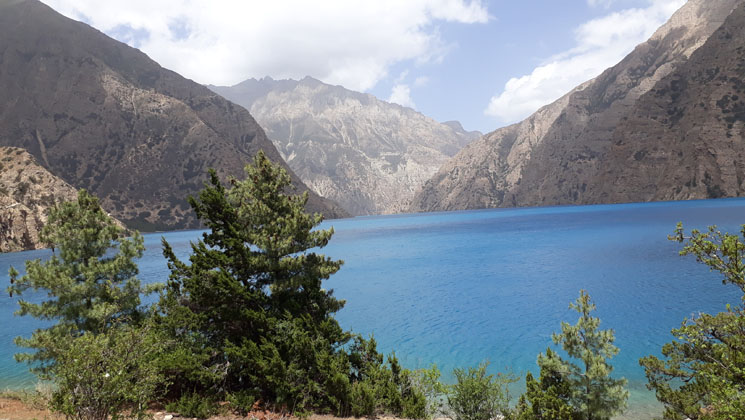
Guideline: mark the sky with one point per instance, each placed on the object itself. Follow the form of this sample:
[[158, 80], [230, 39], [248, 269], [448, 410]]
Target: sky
[[485, 63]]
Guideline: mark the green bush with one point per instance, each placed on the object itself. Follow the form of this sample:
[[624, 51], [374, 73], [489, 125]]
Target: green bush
[[363, 399], [477, 395], [427, 382], [242, 402], [193, 405], [98, 376]]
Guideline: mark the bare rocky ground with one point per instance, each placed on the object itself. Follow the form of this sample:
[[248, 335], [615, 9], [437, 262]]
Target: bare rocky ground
[[21, 408]]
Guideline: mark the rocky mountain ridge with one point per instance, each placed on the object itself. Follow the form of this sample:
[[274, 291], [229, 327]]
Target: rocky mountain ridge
[[27, 192], [569, 152], [105, 117], [368, 155]]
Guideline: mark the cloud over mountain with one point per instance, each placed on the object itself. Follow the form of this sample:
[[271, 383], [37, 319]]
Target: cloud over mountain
[[224, 41]]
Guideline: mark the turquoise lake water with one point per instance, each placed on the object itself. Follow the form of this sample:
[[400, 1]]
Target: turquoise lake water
[[458, 288]]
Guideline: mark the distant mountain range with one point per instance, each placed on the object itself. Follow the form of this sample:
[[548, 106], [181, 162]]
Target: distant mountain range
[[368, 155], [103, 116], [666, 123]]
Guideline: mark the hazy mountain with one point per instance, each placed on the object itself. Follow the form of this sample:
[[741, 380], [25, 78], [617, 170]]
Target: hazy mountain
[[664, 123], [368, 155], [105, 117], [27, 192]]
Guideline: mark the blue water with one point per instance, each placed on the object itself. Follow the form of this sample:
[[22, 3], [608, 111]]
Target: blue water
[[458, 288]]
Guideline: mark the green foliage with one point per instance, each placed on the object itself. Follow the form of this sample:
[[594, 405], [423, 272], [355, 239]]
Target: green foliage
[[193, 405], [477, 395], [91, 285], [549, 397], [392, 389], [98, 376], [722, 252], [250, 308], [427, 381], [249, 317], [595, 395], [702, 375], [363, 399], [242, 402]]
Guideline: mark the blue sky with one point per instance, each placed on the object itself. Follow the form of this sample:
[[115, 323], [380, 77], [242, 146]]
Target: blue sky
[[483, 63]]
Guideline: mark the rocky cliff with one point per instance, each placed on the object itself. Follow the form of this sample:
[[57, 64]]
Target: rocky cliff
[[368, 155], [597, 143], [105, 117], [27, 192]]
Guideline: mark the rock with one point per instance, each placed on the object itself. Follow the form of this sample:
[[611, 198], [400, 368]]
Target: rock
[[105, 117], [368, 155], [631, 134], [27, 192]]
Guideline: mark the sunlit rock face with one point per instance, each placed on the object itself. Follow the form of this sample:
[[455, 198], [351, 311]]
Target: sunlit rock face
[[664, 123], [368, 155]]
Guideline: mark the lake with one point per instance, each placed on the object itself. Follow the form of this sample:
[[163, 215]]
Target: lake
[[458, 288]]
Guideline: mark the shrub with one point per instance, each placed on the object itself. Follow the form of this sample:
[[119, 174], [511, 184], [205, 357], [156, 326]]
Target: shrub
[[242, 402], [193, 405], [477, 395], [363, 399], [102, 375], [427, 382], [22, 189]]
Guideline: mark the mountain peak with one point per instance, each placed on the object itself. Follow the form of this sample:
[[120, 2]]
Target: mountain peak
[[105, 117], [582, 148], [365, 153]]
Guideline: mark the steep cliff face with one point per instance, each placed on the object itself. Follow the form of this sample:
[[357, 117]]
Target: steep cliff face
[[686, 137], [27, 192], [105, 117], [561, 153], [368, 155]]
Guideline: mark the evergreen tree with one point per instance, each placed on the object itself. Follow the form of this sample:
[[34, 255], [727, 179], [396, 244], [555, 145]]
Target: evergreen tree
[[703, 373], [90, 285], [595, 395], [249, 311], [548, 398]]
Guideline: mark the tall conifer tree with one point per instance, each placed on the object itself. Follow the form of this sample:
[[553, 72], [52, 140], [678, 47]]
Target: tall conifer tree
[[595, 395], [249, 309], [90, 281]]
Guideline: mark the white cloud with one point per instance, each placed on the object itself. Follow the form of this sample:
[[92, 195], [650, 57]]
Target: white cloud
[[421, 81], [347, 42], [401, 77], [600, 43], [596, 3], [401, 94]]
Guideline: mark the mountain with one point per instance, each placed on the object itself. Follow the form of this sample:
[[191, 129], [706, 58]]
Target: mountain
[[105, 117], [665, 123], [368, 155], [27, 192]]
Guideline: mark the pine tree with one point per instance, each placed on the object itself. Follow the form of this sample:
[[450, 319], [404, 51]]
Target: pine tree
[[90, 285], [547, 398], [703, 373], [595, 395], [249, 311]]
